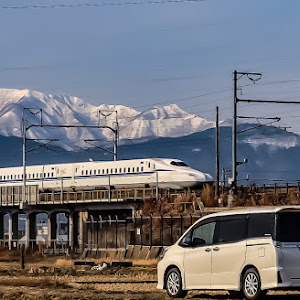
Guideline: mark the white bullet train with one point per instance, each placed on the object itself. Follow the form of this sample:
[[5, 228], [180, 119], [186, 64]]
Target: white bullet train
[[167, 173]]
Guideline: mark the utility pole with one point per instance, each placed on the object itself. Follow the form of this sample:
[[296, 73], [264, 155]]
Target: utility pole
[[234, 130], [34, 112], [116, 143], [236, 76], [217, 192], [24, 163], [104, 115]]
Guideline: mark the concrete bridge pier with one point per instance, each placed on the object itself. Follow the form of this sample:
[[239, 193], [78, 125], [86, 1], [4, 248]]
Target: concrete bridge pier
[[13, 233], [1, 228], [52, 228], [9, 230], [30, 229], [15, 226], [72, 218], [83, 215]]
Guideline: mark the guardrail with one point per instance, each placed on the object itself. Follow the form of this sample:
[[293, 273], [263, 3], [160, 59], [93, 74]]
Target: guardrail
[[11, 196]]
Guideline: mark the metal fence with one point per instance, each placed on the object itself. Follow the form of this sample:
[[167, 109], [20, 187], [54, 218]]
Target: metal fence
[[114, 233]]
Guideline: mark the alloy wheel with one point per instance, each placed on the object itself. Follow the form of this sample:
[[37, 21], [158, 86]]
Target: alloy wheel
[[251, 284], [173, 283]]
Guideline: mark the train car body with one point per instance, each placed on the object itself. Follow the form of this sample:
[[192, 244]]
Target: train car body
[[166, 173]]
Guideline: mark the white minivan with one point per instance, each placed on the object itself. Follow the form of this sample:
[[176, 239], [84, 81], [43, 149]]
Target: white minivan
[[244, 251]]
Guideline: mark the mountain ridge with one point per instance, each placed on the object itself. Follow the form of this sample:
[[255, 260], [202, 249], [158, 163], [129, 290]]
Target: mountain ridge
[[134, 125]]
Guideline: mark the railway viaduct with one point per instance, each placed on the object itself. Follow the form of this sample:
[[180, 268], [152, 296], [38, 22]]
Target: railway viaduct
[[76, 206]]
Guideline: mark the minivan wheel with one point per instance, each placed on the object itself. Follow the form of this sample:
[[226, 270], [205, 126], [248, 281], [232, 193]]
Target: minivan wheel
[[251, 285], [174, 284]]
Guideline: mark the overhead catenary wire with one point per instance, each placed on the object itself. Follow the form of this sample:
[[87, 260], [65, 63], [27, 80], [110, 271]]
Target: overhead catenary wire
[[98, 4]]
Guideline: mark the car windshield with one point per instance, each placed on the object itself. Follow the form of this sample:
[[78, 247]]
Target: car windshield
[[288, 224], [178, 163]]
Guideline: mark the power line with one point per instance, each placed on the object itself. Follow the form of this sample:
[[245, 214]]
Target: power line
[[185, 99], [102, 4]]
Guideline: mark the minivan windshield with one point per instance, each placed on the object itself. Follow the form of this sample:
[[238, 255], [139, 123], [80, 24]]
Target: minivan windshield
[[288, 224]]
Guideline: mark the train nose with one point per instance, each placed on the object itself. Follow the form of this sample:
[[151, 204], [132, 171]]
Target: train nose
[[208, 177], [200, 177]]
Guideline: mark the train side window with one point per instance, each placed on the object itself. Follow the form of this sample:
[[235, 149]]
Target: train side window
[[4, 176], [98, 171], [95, 172], [142, 169], [120, 170], [52, 174], [32, 175], [86, 172], [154, 166], [29, 175], [37, 175], [107, 171], [111, 171], [18, 176], [133, 169], [76, 170], [82, 172], [124, 170], [90, 172], [137, 169], [128, 170], [103, 171], [0, 177], [48, 174], [148, 165], [116, 170]]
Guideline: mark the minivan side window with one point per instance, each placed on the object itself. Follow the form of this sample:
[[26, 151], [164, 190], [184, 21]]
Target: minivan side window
[[288, 227], [199, 235], [261, 225], [203, 234], [232, 230]]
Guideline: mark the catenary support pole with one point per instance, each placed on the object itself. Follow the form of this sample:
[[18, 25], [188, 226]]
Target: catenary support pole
[[217, 192], [234, 130]]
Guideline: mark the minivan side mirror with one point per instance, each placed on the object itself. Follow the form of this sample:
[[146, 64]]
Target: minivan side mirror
[[198, 242], [186, 241]]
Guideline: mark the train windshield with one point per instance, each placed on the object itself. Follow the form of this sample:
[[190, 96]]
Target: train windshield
[[178, 163]]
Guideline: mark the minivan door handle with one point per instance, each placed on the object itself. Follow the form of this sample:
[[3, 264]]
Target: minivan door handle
[[216, 249], [207, 250]]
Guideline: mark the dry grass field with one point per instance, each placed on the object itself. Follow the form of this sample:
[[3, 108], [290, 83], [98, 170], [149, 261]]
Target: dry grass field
[[53, 278]]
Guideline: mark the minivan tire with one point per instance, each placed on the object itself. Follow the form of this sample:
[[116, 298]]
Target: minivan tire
[[174, 284], [251, 285]]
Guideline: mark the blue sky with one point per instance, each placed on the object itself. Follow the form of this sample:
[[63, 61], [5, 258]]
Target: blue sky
[[140, 55]]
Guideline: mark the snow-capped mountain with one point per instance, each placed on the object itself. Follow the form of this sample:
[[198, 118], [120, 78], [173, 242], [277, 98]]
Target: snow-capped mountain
[[166, 121]]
